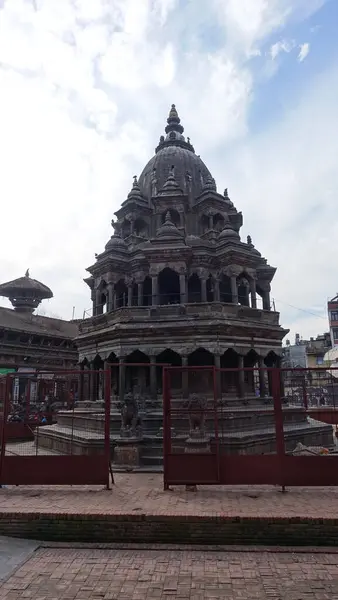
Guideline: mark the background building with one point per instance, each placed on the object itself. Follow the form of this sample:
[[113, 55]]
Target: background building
[[30, 342], [332, 309]]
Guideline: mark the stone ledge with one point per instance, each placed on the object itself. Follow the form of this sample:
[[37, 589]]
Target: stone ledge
[[171, 529]]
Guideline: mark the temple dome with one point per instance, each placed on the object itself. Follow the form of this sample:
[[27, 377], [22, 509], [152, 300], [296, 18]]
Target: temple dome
[[168, 230], [115, 242], [228, 232], [176, 154]]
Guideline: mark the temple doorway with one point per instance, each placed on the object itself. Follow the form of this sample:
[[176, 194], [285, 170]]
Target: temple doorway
[[169, 357], [137, 376], [169, 287], [201, 379]]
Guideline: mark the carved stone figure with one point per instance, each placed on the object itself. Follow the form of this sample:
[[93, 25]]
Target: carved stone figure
[[131, 422], [196, 407]]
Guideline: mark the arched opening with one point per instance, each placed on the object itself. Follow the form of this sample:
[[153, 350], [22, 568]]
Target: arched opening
[[113, 362], [230, 379], [125, 228], [194, 288], [134, 296], [204, 224], [97, 387], [83, 381], [174, 216], [218, 222], [137, 376], [243, 286], [169, 287], [201, 380], [271, 361], [251, 378], [141, 228], [259, 297], [169, 357], [147, 291], [210, 289], [225, 289], [101, 307], [121, 291]]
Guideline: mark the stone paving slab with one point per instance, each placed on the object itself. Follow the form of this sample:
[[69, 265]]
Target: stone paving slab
[[13, 552], [142, 494], [75, 574]]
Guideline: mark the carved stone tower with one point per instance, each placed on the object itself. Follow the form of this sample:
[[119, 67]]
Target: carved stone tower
[[175, 284]]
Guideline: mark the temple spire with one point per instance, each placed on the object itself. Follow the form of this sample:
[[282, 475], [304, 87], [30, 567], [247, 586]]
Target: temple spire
[[174, 122]]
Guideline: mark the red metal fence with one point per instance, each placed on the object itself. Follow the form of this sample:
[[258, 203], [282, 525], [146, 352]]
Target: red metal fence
[[251, 426], [45, 437]]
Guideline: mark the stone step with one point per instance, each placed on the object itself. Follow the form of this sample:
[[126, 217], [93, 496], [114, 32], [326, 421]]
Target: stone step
[[152, 460]]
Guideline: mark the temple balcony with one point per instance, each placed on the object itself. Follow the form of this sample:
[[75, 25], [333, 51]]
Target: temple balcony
[[214, 310]]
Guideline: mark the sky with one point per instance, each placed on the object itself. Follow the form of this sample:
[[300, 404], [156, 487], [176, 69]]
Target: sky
[[85, 90]]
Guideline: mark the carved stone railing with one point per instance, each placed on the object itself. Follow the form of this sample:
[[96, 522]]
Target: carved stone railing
[[203, 310]]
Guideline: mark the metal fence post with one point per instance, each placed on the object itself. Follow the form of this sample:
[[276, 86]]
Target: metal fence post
[[166, 425], [4, 423], [279, 423], [107, 392]]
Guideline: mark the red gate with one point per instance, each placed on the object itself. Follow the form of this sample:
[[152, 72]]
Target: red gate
[[249, 426], [47, 436]]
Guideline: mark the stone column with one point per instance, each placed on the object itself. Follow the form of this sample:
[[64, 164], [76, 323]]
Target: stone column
[[262, 386], [266, 300], [246, 285], [154, 290], [98, 303], [92, 383], [241, 376], [140, 294], [253, 294], [130, 294], [217, 359], [217, 293], [185, 377], [93, 296], [81, 381], [110, 299], [204, 289], [122, 378], [211, 222], [183, 288], [234, 289], [153, 377]]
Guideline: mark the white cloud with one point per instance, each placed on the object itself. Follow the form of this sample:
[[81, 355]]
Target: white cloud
[[286, 182], [304, 50], [85, 89], [281, 46]]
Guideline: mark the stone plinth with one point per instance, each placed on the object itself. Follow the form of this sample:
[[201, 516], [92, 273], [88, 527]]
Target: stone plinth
[[127, 452], [197, 442]]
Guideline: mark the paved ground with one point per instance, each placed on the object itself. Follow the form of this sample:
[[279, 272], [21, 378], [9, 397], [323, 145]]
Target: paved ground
[[162, 575], [13, 552], [143, 494]]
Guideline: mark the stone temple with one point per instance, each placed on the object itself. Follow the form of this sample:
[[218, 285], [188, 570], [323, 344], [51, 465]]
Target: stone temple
[[175, 284]]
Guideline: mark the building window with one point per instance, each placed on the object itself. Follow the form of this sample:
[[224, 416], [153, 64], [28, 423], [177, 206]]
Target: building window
[[319, 360], [335, 333], [334, 315]]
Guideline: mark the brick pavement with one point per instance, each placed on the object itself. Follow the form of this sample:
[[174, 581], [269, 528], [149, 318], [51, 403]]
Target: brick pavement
[[136, 494], [183, 575]]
